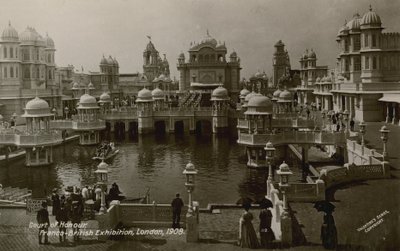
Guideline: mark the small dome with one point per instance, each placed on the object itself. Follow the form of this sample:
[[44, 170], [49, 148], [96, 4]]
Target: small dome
[[248, 96], [354, 24], [285, 95], [105, 97], [157, 93], [312, 54], [259, 101], [284, 167], [264, 76], [49, 42], [167, 79], [91, 86], [182, 55], [116, 62], [221, 46], [156, 80], [103, 60], [279, 44], [36, 103], [328, 79], [305, 55], [209, 40], [244, 92], [87, 99], [9, 34], [219, 92], [161, 77], [75, 86], [144, 94], [318, 79], [371, 18], [258, 74], [28, 36], [143, 78], [233, 54], [277, 93], [110, 60]]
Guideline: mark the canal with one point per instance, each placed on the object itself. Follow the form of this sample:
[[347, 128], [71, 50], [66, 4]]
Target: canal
[[150, 161]]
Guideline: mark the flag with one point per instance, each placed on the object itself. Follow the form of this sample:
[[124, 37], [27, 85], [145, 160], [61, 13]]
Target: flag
[[149, 37]]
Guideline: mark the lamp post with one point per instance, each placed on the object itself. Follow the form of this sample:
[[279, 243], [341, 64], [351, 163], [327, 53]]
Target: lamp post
[[270, 154], [284, 172], [384, 136], [102, 179], [190, 173], [66, 110], [362, 126]]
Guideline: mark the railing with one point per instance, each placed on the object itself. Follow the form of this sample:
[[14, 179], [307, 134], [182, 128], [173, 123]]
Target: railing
[[359, 154], [296, 137], [306, 192], [30, 140], [77, 125]]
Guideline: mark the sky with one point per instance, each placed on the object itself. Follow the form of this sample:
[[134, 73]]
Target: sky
[[84, 30]]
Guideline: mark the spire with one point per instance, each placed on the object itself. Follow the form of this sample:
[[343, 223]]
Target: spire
[[370, 7], [208, 34]]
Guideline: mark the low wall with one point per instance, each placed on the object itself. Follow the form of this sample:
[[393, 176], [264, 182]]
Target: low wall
[[361, 155], [306, 192]]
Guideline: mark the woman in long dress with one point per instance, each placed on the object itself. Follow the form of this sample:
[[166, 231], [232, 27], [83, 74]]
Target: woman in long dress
[[267, 236], [247, 234], [328, 232]]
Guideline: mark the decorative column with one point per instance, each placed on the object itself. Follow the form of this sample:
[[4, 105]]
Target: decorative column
[[102, 172], [394, 113], [286, 220], [270, 154], [387, 113]]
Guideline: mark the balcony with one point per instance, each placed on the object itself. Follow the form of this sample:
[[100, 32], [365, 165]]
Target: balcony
[[77, 125], [25, 139]]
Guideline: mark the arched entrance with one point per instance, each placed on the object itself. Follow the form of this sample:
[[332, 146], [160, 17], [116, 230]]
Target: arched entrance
[[179, 127], [159, 127], [119, 130], [133, 130]]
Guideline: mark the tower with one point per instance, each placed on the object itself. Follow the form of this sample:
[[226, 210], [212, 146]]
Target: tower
[[151, 62], [280, 61]]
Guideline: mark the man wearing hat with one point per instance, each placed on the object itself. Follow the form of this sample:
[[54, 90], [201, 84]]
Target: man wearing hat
[[76, 212], [43, 220]]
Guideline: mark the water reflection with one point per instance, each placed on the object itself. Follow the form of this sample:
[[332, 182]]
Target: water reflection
[[150, 161]]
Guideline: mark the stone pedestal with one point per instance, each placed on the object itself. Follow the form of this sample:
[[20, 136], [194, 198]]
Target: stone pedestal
[[192, 228]]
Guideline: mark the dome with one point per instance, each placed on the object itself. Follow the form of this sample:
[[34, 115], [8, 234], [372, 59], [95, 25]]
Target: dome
[[9, 34], [103, 60], [244, 92], [219, 93], [36, 103], [91, 86], [221, 46], [285, 96], [87, 99], [75, 86], [29, 35], [143, 78], [144, 95], [209, 40], [318, 79], [305, 55], [161, 77], [167, 79], [354, 24], [181, 55], [328, 79], [371, 18], [259, 104], [279, 43], [105, 97], [156, 80], [312, 54], [264, 76], [248, 96], [258, 74], [284, 167], [110, 60], [157, 93], [233, 54], [277, 93], [49, 41]]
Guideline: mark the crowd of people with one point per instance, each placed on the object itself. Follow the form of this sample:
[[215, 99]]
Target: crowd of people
[[104, 149]]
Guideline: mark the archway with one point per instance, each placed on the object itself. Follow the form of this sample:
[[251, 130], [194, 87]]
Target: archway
[[133, 129], [159, 127], [119, 130], [179, 127]]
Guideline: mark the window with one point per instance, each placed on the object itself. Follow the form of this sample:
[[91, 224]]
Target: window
[[374, 64], [357, 64], [16, 71], [346, 45], [347, 66], [367, 63], [11, 72], [49, 58], [365, 40], [16, 52], [11, 52], [27, 73], [49, 74], [357, 44], [374, 40], [5, 52], [37, 72], [5, 72]]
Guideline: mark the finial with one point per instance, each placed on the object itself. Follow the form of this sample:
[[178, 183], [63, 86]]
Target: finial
[[208, 34], [149, 37], [9, 23], [370, 7]]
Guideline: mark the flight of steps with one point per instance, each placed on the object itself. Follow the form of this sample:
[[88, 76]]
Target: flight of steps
[[15, 194]]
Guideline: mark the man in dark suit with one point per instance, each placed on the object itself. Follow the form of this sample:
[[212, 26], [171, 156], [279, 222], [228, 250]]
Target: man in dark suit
[[177, 205], [43, 220]]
